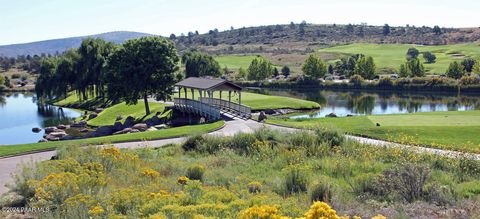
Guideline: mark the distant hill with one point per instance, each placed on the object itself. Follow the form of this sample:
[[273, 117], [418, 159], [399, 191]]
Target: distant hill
[[61, 45], [288, 38]]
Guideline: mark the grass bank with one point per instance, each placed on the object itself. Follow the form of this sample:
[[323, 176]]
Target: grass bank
[[454, 130], [110, 114], [9, 150], [263, 102], [259, 175], [235, 61]]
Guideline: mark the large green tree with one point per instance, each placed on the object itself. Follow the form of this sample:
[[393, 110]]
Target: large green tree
[[314, 67], [200, 64], [365, 67], [260, 69], [429, 57], [141, 68], [412, 53], [455, 70]]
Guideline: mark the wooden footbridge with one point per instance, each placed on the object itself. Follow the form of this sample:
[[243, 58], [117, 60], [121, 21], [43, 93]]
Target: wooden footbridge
[[206, 98]]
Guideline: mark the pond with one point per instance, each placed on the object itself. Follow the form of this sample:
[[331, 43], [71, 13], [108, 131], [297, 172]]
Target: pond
[[343, 103], [19, 113]]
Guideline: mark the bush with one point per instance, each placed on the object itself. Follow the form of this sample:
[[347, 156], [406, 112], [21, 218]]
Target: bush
[[242, 143], [356, 79], [385, 82], [195, 172], [321, 192], [254, 187], [193, 143], [330, 136], [295, 182], [469, 80], [15, 76], [24, 77]]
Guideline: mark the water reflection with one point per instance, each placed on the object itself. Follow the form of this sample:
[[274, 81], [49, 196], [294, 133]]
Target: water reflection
[[368, 103]]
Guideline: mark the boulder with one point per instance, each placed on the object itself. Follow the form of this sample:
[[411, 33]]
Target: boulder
[[36, 130], [161, 126], [50, 129], [98, 110], [57, 134], [140, 127], [103, 130], [349, 115], [42, 140], [92, 116], [269, 111], [62, 127], [331, 115], [124, 131], [129, 122], [12, 199], [118, 126], [52, 138], [67, 137], [83, 130], [262, 116], [80, 124], [134, 131], [119, 118], [151, 129], [153, 121]]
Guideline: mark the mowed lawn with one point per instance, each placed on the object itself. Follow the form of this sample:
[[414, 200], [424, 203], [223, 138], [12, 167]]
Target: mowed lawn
[[262, 102], [9, 150], [235, 61], [109, 115], [455, 130], [392, 55]]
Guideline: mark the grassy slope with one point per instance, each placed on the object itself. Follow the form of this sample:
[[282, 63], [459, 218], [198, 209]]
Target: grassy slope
[[262, 102], [235, 61], [152, 135], [392, 55], [109, 115], [448, 130]]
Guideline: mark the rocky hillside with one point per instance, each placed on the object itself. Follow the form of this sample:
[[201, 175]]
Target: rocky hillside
[[60, 45]]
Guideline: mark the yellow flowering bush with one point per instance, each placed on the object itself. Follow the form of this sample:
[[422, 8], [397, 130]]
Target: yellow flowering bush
[[321, 210], [57, 187], [254, 187], [379, 217], [96, 210], [261, 212], [111, 152], [182, 180], [150, 173]]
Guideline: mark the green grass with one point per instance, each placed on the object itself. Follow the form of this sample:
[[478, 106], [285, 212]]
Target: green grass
[[109, 115], [392, 55], [455, 130], [9, 150], [235, 61], [263, 102]]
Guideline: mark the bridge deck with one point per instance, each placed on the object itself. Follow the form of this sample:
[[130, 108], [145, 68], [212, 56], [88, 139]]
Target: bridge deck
[[212, 108]]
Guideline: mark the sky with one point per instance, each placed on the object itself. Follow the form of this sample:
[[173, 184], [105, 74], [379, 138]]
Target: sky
[[24, 21]]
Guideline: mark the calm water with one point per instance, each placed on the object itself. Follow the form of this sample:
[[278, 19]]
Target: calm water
[[19, 114], [368, 103]]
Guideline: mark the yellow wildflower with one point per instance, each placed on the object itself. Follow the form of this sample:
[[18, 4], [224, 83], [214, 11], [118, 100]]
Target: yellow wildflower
[[379, 217], [182, 180], [96, 210], [150, 173], [321, 210]]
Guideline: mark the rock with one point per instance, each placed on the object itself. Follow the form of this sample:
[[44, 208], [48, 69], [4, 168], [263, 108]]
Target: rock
[[119, 118], [50, 129], [118, 126], [42, 140], [161, 126], [36, 130], [98, 110], [140, 126], [331, 115], [57, 134], [134, 131], [129, 122], [378, 124], [269, 112], [349, 115], [262, 116], [80, 124], [284, 111], [92, 116], [51, 138], [62, 127], [124, 131], [54, 157], [67, 137], [83, 130], [151, 129], [153, 121], [104, 130]]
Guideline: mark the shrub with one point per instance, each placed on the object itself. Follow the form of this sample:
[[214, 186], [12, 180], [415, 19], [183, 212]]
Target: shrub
[[193, 143], [254, 187], [469, 80], [295, 182], [15, 76], [195, 172], [385, 82], [362, 185], [321, 192], [242, 143], [24, 77], [356, 79], [330, 136]]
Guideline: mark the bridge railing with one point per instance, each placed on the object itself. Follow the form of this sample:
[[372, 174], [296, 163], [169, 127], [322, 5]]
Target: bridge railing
[[229, 107], [193, 106]]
